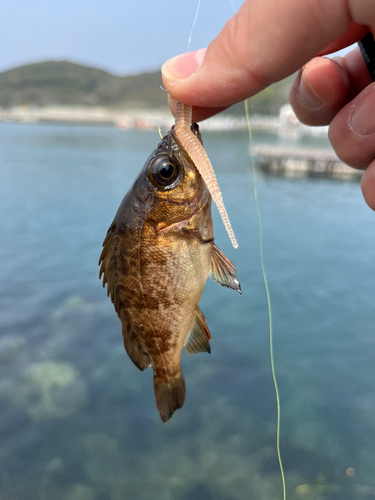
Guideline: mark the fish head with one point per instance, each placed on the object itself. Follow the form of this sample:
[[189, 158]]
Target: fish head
[[171, 182]]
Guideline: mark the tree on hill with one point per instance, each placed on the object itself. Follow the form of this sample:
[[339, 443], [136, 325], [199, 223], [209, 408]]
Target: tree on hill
[[63, 83]]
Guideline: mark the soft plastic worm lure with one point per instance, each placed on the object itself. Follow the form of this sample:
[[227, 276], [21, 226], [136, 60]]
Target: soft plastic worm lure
[[195, 150]]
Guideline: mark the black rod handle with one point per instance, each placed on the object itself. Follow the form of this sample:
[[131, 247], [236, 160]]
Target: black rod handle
[[367, 48]]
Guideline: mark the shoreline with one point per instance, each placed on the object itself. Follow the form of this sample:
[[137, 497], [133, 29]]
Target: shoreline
[[147, 119]]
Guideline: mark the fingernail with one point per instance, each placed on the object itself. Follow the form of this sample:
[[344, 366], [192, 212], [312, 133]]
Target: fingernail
[[307, 94], [183, 66], [362, 120]]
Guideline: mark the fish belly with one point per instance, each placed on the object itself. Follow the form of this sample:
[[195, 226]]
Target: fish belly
[[158, 318]]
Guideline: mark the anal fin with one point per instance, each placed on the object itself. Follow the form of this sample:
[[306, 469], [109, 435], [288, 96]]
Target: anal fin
[[223, 271], [198, 339], [135, 352]]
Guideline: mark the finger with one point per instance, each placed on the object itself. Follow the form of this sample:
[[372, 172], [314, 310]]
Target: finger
[[354, 33], [368, 185], [320, 90], [264, 42], [324, 86], [352, 131]]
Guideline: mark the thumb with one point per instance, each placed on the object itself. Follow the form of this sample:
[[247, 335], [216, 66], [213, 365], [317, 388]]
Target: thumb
[[264, 42]]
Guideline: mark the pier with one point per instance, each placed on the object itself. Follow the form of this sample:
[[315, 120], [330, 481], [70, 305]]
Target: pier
[[294, 161]]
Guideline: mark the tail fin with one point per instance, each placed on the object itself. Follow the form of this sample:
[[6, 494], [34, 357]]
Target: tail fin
[[169, 394]]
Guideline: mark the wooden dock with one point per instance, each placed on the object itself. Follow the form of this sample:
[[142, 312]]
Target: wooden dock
[[296, 161]]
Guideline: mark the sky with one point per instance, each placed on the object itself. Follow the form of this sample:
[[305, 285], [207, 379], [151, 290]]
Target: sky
[[120, 36]]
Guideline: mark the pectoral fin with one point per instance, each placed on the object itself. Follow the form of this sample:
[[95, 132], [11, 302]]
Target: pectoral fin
[[223, 271], [198, 339]]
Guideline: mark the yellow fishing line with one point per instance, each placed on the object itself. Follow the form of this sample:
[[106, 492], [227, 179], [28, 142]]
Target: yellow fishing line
[[278, 424], [161, 135]]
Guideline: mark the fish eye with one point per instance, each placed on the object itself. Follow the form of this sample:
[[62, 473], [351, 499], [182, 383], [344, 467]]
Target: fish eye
[[164, 172]]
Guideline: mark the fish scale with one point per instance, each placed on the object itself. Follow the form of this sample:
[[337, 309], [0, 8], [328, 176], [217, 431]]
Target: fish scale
[[156, 258]]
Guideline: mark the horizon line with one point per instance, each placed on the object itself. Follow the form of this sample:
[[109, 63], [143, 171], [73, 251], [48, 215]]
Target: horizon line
[[79, 63]]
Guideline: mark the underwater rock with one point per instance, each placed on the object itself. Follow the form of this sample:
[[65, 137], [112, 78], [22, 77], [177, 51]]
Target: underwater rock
[[51, 390], [7, 387], [303, 489], [76, 307], [74, 301], [13, 356], [79, 492], [221, 453], [54, 466], [216, 457], [50, 481], [314, 437], [214, 473], [77, 325], [366, 457], [100, 456], [316, 491], [12, 349], [73, 319]]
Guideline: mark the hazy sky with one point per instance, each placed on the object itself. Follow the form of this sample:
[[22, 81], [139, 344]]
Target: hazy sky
[[123, 36]]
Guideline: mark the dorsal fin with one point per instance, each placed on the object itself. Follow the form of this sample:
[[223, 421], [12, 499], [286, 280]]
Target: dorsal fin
[[223, 271], [108, 267], [198, 339]]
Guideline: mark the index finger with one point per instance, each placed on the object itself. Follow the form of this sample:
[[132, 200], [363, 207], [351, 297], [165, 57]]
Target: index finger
[[263, 43]]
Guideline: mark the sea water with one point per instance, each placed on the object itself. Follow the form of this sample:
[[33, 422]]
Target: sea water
[[78, 420]]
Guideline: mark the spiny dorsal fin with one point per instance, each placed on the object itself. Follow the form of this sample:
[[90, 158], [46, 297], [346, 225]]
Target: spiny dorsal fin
[[198, 339], [108, 267], [223, 271]]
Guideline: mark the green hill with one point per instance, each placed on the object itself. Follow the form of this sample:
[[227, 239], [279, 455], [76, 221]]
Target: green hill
[[65, 83]]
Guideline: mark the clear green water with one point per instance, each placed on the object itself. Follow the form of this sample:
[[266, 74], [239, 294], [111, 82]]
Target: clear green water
[[78, 420]]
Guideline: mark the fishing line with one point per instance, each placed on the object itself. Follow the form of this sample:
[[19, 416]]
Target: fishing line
[[188, 44], [233, 8], [192, 28], [265, 281]]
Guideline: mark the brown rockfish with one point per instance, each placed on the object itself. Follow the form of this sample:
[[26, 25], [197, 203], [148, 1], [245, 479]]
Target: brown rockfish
[[157, 255]]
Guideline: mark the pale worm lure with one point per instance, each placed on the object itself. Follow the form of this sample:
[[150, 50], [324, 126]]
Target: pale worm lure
[[199, 157]]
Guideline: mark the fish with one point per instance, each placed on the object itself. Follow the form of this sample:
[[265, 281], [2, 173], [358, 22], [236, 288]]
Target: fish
[[156, 258]]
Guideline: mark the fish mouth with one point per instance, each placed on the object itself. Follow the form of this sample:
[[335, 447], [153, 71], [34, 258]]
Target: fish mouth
[[204, 199], [200, 206], [165, 228]]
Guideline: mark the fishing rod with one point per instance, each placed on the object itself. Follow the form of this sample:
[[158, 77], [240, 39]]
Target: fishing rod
[[367, 48]]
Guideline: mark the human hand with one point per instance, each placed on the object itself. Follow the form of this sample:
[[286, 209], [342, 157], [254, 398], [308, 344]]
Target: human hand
[[268, 40]]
